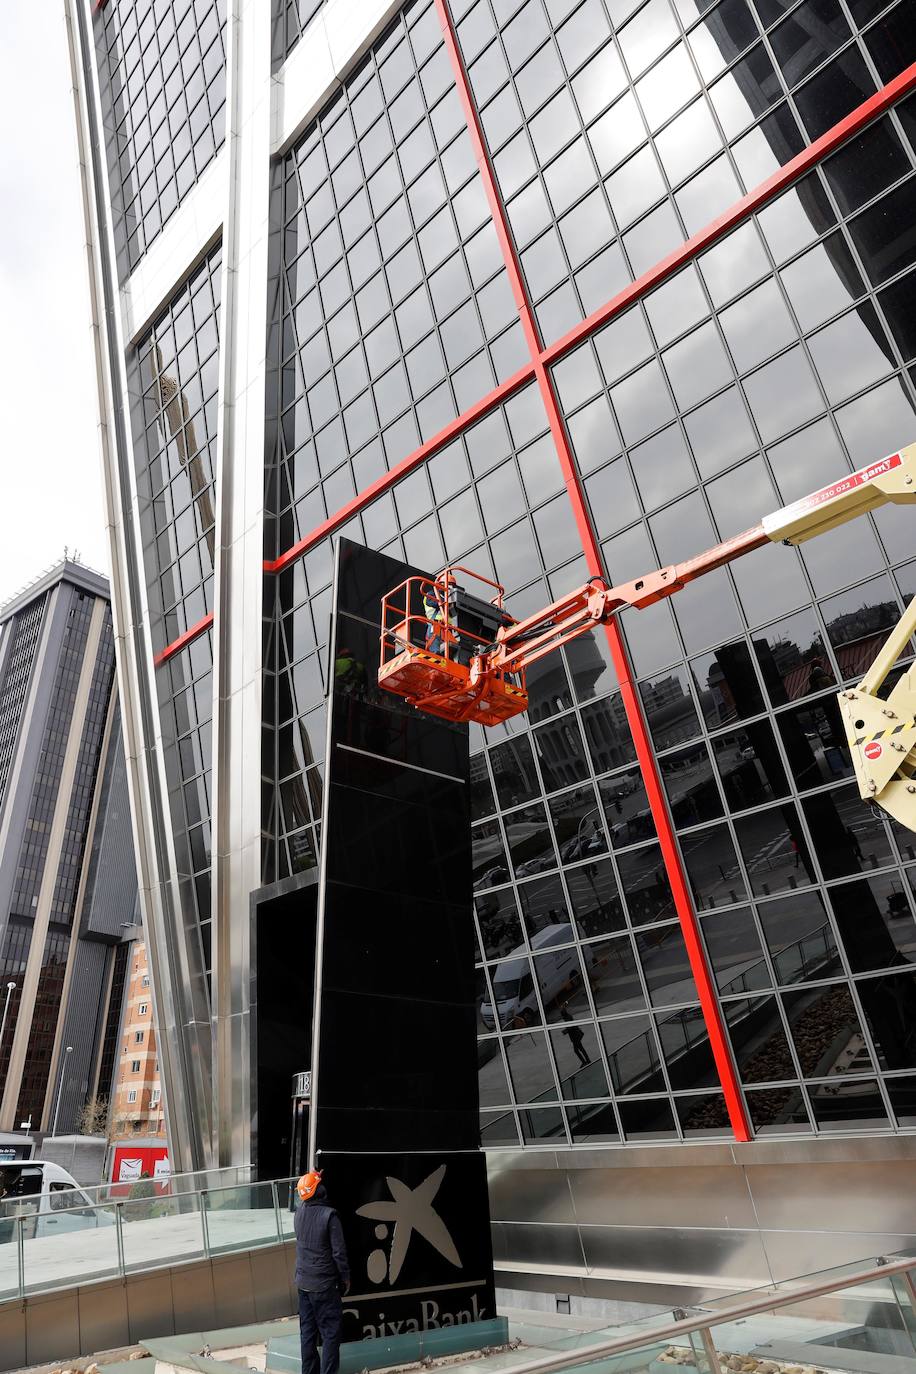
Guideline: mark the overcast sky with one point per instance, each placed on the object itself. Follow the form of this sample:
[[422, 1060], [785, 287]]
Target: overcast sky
[[49, 459]]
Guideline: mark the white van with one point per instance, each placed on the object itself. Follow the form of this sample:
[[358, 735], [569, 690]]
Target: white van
[[514, 998], [47, 1194]]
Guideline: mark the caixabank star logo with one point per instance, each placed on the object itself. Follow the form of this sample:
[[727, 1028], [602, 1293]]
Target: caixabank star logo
[[418, 1235]]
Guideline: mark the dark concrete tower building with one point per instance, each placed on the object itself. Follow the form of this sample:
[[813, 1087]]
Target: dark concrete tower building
[[67, 876]]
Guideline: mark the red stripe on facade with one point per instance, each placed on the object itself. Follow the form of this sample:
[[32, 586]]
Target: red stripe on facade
[[183, 641], [780, 180], [413, 460], [679, 257], [671, 855]]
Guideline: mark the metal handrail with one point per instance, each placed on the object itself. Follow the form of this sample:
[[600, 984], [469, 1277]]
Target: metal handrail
[[707, 1320]]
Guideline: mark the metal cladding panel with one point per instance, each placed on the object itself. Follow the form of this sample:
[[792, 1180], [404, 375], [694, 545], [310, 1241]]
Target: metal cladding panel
[[701, 1196], [729, 1259], [270, 1281], [12, 1336], [858, 1196], [547, 1247], [53, 1327], [192, 1297], [103, 1315], [233, 1290], [111, 888], [149, 1305], [531, 1193]]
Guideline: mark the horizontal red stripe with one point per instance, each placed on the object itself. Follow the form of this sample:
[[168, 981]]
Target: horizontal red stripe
[[718, 228], [182, 641], [704, 238], [413, 460]]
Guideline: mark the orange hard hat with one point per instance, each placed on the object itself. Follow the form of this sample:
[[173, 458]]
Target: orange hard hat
[[308, 1185]]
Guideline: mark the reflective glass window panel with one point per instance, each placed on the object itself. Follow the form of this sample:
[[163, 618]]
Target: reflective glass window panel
[[847, 836], [579, 1066], [825, 1029], [712, 867], [702, 1114], [851, 353], [662, 467], [758, 1040], [749, 766], [596, 903], [482, 801], [665, 966], [885, 234], [778, 1110], [782, 394], [576, 818], [902, 1093], [793, 658], [726, 684], [800, 938], [543, 906], [807, 38], [497, 917], [488, 856], [757, 325], [857, 621], [875, 922], [814, 740], [559, 975], [866, 166], [889, 1003], [514, 772], [513, 1001], [898, 306], [822, 281], [669, 708], [797, 218], [626, 808], [650, 1119], [632, 1055], [529, 1067], [613, 976], [684, 1040], [542, 1123], [491, 1074], [690, 784], [607, 733], [645, 885], [498, 1128], [774, 850], [839, 1105], [735, 953], [529, 840], [835, 90], [561, 753]]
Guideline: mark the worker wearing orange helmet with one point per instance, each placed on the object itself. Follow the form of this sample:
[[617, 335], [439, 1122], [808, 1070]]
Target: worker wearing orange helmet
[[322, 1275]]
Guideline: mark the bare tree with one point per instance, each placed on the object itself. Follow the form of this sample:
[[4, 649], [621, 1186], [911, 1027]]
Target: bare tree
[[93, 1119]]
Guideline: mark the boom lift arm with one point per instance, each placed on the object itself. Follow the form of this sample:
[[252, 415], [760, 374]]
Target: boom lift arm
[[469, 679]]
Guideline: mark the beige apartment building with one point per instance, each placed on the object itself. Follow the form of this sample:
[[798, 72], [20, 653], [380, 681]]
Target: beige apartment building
[[136, 1101]]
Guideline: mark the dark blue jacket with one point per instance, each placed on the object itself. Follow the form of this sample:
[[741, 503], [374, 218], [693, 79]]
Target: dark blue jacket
[[321, 1255]]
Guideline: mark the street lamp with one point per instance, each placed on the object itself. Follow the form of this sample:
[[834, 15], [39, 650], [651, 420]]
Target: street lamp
[[60, 1090], [10, 989]]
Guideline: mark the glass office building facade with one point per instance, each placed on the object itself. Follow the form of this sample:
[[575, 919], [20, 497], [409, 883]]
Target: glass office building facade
[[551, 290]]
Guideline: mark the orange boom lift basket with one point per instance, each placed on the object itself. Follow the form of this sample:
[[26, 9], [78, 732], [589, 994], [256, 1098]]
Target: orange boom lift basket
[[437, 664]]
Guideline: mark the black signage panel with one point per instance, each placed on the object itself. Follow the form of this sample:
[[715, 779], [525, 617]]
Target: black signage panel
[[395, 1091], [419, 1255]]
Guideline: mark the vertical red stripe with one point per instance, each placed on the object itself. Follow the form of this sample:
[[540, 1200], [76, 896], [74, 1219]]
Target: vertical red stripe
[[670, 853]]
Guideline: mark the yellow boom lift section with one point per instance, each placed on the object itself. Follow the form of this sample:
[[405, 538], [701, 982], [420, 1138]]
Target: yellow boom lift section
[[461, 658]]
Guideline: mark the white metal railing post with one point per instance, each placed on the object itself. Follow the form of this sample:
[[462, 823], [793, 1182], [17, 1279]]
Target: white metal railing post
[[203, 1194], [119, 1237], [19, 1223], [277, 1221]]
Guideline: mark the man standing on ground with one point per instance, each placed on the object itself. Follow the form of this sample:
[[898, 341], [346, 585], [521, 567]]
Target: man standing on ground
[[322, 1276]]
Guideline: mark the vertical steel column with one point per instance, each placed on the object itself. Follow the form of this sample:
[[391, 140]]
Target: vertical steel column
[[674, 867]]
